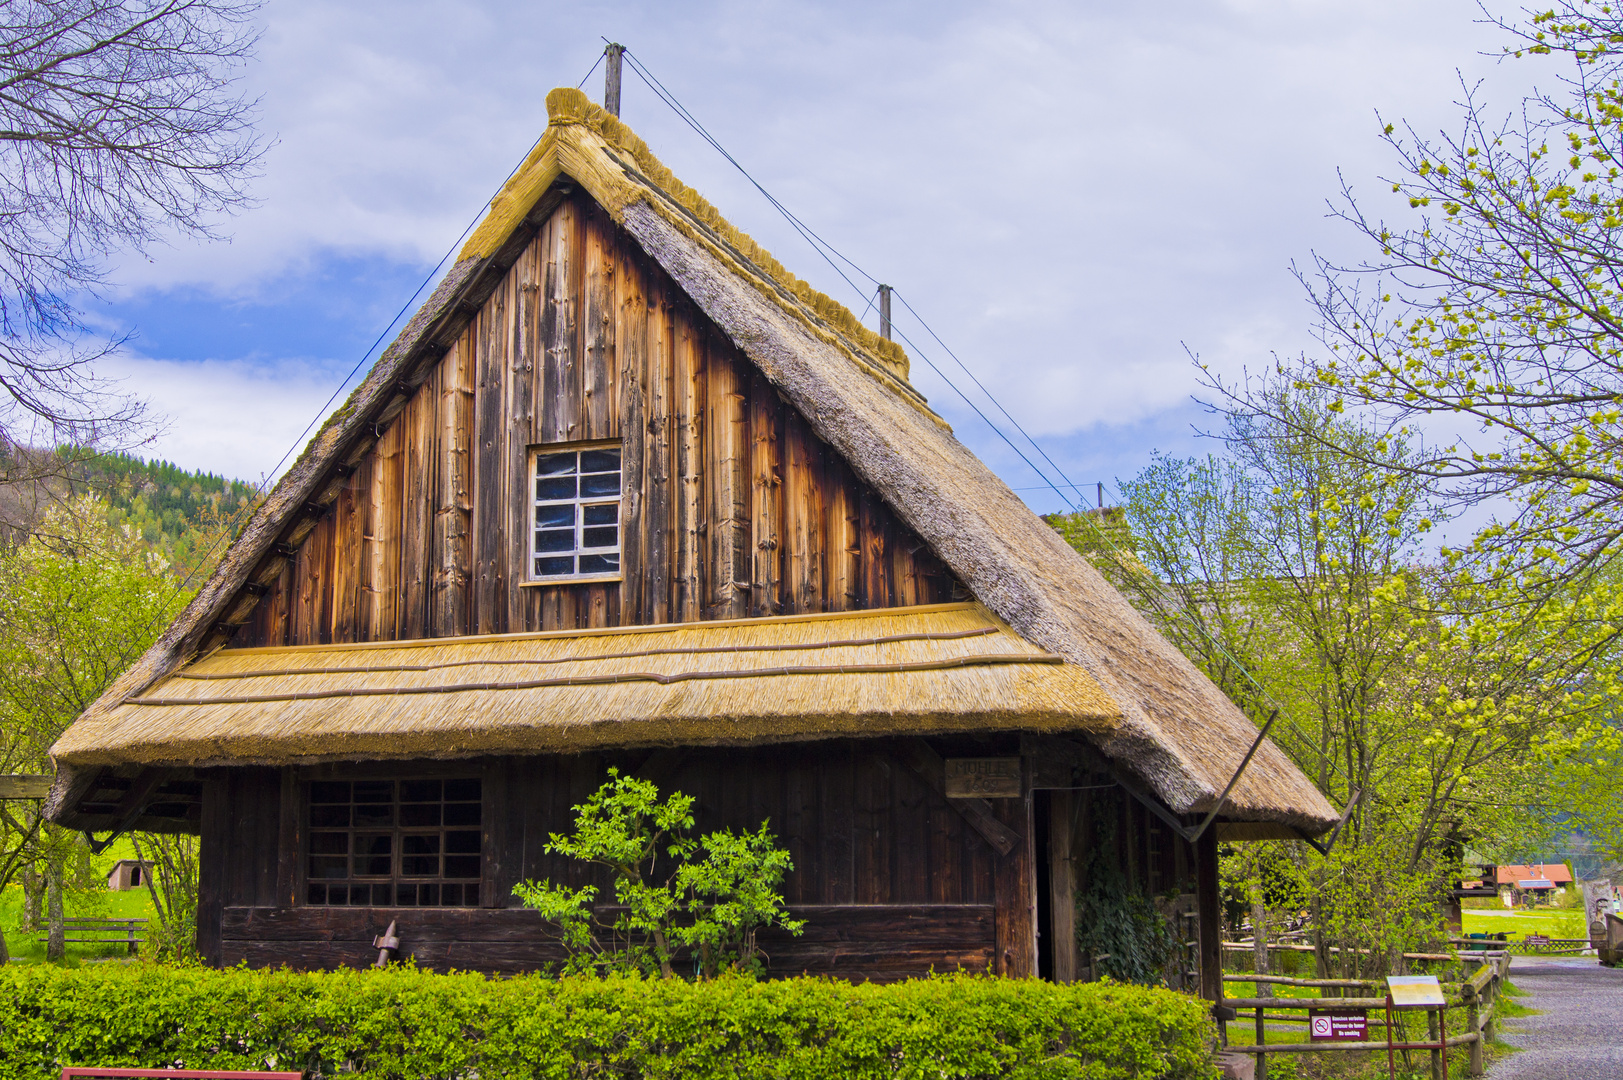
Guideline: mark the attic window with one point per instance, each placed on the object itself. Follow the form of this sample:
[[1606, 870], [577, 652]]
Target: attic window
[[577, 514]]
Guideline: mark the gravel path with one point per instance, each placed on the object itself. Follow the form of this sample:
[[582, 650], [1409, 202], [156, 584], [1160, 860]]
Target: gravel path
[[1579, 1034]]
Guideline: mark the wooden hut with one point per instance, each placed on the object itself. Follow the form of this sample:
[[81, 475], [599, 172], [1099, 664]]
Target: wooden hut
[[626, 492]]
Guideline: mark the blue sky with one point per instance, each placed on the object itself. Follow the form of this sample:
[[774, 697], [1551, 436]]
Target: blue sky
[[1072, 193]]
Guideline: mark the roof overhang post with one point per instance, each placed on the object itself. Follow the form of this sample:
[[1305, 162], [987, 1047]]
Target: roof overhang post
[[611, 77]]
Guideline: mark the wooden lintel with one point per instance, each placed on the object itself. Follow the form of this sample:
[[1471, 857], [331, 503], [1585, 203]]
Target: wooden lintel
[[919, 756], [24, 786]]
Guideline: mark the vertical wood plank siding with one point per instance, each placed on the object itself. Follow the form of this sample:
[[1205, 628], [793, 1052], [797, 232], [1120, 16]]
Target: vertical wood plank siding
[[732, 506], [844, 808]]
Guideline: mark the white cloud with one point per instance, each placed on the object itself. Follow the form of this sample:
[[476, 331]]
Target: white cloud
[[1071, 192], [236, 418]]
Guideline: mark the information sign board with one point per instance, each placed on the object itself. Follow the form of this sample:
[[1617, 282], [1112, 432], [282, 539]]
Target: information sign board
[[1337, 1025], [1414, 991], [983, 778]]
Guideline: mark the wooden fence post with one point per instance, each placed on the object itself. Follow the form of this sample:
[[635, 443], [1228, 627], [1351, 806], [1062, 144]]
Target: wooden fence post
[[1472, 1023], [1262, 1040]]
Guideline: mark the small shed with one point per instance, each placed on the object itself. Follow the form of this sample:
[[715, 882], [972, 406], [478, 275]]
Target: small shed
[[128, 874], [625, 492]]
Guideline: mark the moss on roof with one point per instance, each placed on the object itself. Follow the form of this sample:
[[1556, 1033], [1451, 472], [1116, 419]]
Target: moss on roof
[[566, 106]]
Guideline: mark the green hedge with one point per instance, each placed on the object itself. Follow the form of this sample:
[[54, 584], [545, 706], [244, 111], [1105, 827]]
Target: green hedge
[[405, 1024]]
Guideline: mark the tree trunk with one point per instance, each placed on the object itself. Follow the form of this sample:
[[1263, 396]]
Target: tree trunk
[[55, 947], [1321, 951], [1259, 945], [5, 957], [31, 897]]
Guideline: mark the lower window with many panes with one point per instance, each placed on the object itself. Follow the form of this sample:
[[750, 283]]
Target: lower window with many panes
[[394, 843]]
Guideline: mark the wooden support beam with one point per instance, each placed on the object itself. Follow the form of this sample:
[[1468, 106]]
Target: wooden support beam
[[1062, 886], [24, 786], [917, 755], [1209, 907], [134, 802]]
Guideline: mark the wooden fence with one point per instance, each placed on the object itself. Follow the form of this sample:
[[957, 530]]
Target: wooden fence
[[1478, 996]]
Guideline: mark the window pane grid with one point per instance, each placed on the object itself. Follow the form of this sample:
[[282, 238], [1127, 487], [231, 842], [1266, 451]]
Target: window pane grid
[[394, 843], [577, 514]]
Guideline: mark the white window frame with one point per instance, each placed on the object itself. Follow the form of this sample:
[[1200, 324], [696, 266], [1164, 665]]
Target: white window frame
[[580, 503]]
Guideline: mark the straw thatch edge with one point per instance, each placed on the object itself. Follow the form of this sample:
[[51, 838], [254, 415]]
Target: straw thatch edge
[[1014, 564]]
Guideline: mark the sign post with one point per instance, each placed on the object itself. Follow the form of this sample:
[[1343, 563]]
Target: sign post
[[1417, 992]]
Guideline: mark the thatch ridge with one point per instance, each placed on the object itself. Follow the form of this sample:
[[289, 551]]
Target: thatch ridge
[[567, 105]]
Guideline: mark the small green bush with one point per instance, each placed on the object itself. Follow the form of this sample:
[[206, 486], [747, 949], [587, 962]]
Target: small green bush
[[406, 1024]]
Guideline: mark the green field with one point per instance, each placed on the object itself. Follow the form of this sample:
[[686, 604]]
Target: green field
[[1550, 922], [97, 901]]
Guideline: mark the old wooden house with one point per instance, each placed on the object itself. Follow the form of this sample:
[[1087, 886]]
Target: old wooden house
[[626, 492]]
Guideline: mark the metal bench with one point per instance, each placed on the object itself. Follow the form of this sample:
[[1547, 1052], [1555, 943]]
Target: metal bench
[[87, 931]]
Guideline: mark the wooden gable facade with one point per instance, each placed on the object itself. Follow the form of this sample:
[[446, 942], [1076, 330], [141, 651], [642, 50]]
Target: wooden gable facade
[[732, 507]]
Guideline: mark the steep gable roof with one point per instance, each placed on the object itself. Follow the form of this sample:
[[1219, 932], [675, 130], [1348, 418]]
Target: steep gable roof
[[1174, 728]]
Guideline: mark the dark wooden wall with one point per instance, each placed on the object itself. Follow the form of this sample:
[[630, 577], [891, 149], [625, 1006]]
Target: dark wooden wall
[[733, 506], [891, 878]]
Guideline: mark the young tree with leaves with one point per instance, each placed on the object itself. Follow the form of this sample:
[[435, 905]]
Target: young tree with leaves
[[711, 894], [1297, 577], [1488, 314], [79, 603]]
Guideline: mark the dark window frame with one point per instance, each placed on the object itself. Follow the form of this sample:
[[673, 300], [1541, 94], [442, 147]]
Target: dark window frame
[[482, 886]]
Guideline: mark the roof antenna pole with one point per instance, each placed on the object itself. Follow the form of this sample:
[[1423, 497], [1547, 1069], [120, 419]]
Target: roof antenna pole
[[884, 312], [611, 77]]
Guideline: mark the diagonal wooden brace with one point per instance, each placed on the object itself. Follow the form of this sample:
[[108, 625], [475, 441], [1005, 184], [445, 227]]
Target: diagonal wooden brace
[[917, 755]]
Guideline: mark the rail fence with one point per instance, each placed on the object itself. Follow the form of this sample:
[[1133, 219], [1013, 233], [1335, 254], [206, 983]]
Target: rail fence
[[1478, 996]]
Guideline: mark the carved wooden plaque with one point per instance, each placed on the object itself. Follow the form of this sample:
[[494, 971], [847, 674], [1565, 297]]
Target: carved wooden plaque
[[983, 778]]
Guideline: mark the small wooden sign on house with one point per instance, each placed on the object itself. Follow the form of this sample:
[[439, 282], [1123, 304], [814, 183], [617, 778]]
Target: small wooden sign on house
[[983, 778]]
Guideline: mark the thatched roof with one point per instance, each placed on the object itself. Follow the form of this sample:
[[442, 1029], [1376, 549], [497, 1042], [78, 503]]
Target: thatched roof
[[1166, 721], [902, 671]]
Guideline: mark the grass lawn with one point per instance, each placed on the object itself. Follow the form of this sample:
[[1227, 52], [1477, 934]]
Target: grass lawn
[[1551, 922], [100, 901]]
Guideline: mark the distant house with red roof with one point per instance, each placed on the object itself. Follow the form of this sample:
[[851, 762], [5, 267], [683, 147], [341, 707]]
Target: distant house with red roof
[[1536, 876]]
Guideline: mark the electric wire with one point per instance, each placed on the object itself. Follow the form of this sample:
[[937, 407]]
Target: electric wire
[[591, 69], [693, 121], [979, 385], [829, 253], [817, 243], [228, 531]]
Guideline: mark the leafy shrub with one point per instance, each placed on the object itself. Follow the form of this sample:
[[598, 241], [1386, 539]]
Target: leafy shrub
[[716, 892], [405, 1024], [1117, 924]]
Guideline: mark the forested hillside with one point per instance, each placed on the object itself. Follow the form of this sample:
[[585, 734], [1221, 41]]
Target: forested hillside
[[186, 518], [179, 514]]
